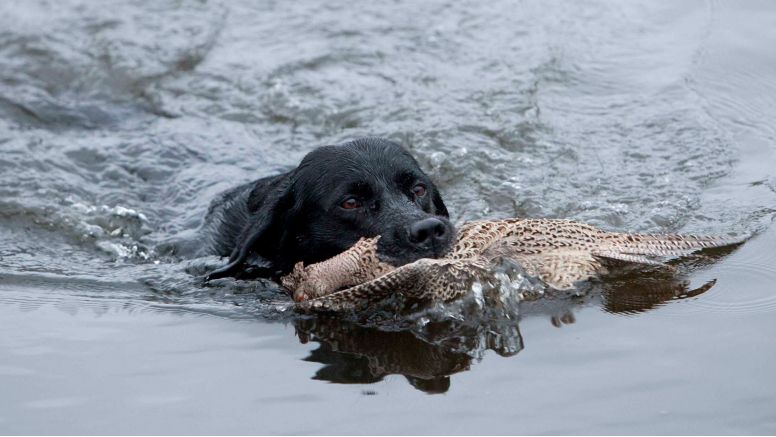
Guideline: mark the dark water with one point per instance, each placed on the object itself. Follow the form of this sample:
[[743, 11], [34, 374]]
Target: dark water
[[119, 121]]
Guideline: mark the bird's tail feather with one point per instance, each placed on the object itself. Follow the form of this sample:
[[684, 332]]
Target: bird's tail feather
[[667, 245]]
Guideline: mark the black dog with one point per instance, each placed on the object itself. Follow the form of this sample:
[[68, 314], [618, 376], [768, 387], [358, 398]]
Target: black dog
[[335, 196]]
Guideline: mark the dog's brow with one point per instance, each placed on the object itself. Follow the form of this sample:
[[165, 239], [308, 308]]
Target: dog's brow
[[405, 178], [358, 187]]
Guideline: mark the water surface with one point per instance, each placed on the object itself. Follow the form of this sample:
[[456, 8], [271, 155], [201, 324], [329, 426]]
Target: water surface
[[120, 121]]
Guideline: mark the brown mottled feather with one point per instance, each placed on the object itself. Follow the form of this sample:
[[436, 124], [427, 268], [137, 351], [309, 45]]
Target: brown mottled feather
[[354, 266], [560, 252]]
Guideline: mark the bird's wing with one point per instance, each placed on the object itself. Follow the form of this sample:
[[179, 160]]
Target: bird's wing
[[424, 279]]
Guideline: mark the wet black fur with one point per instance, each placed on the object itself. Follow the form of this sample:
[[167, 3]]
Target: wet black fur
[[268, 225]]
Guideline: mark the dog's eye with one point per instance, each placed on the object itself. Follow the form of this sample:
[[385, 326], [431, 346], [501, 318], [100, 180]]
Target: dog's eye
[[419, 190], [350, 203]]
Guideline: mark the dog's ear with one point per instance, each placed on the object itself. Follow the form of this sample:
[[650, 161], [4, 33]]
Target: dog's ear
[[269, 209], [439, 205]]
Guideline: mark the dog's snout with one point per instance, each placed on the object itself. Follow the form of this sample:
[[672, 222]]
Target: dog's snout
[[428, 232]]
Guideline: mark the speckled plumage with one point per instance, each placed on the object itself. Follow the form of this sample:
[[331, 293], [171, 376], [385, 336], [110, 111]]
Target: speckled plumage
[[559, 252]]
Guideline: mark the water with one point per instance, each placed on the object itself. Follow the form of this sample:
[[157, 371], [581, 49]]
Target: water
[[120, 121]]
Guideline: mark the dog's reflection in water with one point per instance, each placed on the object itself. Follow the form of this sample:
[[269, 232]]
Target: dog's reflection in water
[[353, 354], [427, 354]]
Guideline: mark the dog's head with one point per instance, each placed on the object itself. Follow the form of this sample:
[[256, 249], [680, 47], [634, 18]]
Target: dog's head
[[339, 194], [366, 188]]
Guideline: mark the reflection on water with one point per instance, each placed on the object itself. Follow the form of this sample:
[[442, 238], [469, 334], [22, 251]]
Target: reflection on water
[[352, 354], [428, 346]]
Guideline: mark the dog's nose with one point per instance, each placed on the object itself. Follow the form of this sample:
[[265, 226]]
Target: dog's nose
[[428, 231]]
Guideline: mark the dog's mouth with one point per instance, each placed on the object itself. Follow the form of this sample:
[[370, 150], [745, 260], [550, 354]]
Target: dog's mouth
[[399, 255], [436, 251]]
